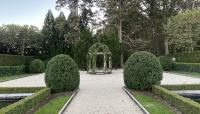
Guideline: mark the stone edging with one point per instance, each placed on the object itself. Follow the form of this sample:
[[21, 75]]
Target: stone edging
[[68, 102], [136, 101]]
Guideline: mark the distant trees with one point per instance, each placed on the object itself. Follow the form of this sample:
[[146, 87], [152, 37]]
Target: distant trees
[[183, 31], [24, 40]]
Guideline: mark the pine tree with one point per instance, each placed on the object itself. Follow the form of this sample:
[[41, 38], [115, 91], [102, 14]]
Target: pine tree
[[50, 33]]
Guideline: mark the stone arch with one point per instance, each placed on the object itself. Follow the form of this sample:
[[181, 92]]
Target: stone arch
[[94, 51]]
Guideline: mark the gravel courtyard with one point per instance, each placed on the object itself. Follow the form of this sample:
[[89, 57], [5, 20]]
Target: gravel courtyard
[[100, 94]]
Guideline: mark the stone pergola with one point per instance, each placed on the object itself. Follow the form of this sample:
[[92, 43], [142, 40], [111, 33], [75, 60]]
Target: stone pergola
[[99, 49]]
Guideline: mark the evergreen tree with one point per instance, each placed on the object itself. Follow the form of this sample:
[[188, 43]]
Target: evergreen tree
[[61, 29], [50, 33]]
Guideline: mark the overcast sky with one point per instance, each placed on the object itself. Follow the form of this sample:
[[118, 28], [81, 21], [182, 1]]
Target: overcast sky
[[31, 12]]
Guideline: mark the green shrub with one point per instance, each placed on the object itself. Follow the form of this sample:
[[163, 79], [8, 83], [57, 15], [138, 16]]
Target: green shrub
[[62, 74], [185, 105], [186, 57], [187, 67], [142, 70], [12, 70], [14, 60], [24, 105], [37, 66], [166, 63], [20, 89], [182, 87]]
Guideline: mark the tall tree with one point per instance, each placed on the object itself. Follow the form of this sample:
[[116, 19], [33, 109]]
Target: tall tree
[[61, 29], [50, 33]]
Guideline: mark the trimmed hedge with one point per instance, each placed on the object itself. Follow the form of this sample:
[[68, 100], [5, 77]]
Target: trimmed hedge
[[185, 105], [142, 70], [37, 66], [187, 67], [12, 70], [62, 74], [166, 63], [15, 60], [20, 89], [24, 105], [182, 87], [192, 57]]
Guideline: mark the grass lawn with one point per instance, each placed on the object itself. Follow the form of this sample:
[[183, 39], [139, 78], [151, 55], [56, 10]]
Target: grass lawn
[[7, 78], [53, 106], [190, 74], [151, 104]]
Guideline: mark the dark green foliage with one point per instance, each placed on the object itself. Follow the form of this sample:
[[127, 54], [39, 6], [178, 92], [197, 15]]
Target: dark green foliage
[[12, 70], [81, 49], [111, 40], [37, 66], [50, 33], [187, 67], [192, 57], [142, 70], [166, 63], [24, 105], [62, 74], [185, 105], [182, 87], [14, 60]]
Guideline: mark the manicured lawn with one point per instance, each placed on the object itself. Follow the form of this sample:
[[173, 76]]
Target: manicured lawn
[[7, 78], [190, 74], [53, 106], [151, 104]]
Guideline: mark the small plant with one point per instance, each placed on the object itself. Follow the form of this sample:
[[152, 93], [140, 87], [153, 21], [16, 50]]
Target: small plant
[[37, 66], [62, 74], [142, 70]]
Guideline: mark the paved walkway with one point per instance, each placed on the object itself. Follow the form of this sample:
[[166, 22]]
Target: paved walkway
[[102, 94]]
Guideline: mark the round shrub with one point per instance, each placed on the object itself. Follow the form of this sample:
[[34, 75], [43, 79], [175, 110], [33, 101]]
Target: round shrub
[[166, 63], [142, 70], [37, 66], [62, 74]]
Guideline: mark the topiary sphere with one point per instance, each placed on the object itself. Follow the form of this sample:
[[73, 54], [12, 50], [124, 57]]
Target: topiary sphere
[[142, 70], [62, 74], [37, 66]]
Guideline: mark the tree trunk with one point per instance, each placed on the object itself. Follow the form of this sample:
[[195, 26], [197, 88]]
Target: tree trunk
[[166, 46]]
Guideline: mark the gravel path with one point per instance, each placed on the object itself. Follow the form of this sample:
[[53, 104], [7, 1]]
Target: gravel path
[[169, 79], [102, 94]]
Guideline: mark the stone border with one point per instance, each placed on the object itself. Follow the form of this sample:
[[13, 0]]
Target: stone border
[[135, 100], [68, 102]]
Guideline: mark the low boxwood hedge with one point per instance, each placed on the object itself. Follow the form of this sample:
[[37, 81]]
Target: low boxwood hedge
[[20, 89], [12, 70], [15, 60], [185, 105], [24, 105], [182, 87], [187, 67]]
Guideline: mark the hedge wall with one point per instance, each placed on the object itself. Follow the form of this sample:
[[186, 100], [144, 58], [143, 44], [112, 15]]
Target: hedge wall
[[185, 105], [24, 105], [187, 67], [182, 87], [12, 70], [20, 89], [192, 57], [15, 60]]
